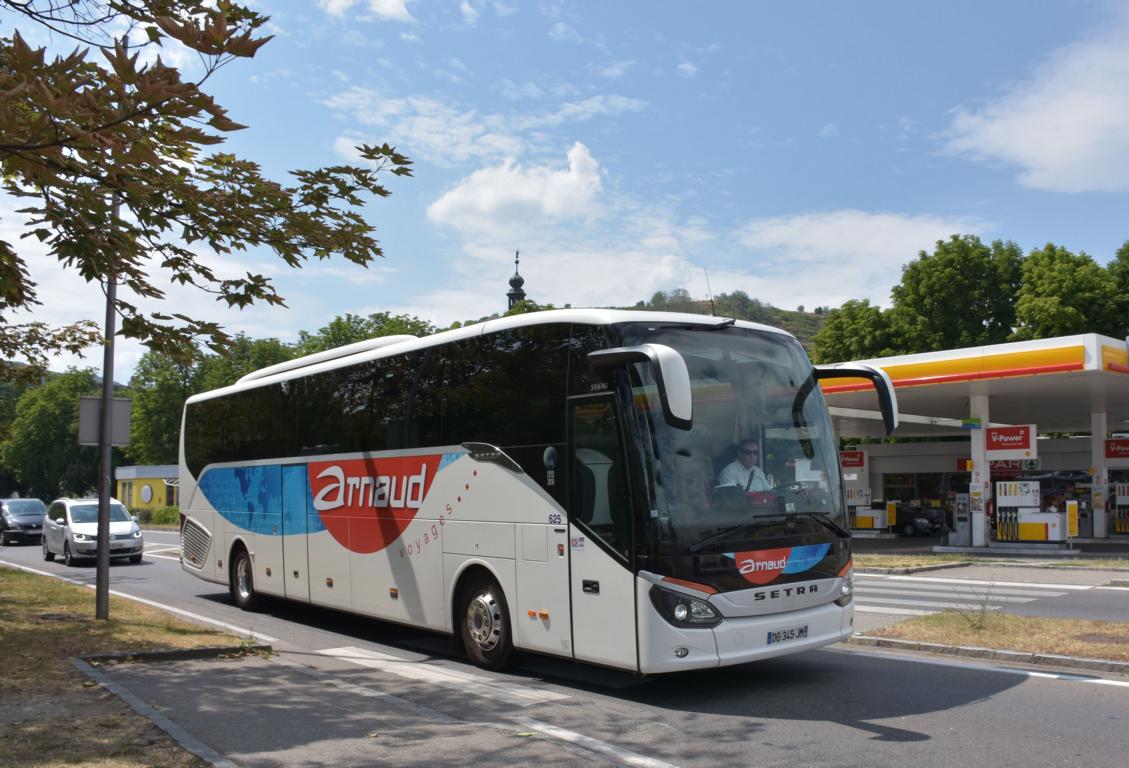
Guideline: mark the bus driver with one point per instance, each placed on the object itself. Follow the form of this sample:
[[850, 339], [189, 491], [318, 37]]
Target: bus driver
[[744, 471]]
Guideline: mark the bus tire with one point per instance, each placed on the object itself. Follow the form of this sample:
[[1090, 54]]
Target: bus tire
[[484, 623], [242, 581]]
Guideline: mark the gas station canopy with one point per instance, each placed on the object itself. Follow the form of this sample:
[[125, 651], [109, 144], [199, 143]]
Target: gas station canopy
[[1054, 383]]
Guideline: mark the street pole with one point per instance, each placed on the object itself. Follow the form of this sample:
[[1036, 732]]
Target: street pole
[[105, 420]]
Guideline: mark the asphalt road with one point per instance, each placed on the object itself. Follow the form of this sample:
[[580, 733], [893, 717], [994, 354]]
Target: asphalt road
[[350, 691]]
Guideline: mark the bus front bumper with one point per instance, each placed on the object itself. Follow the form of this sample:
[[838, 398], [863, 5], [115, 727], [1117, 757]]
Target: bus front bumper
[[666, 648]]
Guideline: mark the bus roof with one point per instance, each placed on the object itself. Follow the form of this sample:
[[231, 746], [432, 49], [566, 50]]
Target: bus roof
[[323, 361]]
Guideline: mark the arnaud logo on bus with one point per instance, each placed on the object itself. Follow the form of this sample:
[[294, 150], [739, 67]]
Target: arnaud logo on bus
[[763, 566], [366, 504]]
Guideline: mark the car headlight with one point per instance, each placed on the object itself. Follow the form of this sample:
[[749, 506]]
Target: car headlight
[[136, 532], [682, 610], [83, 537]]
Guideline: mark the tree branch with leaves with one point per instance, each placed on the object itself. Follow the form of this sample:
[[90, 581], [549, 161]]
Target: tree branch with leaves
[[82, 130]]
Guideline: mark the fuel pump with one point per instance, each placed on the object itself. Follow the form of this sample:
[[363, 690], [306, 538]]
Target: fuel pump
[[1120, 509]]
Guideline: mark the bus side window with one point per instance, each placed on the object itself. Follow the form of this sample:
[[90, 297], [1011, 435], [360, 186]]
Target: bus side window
[[599, 499]]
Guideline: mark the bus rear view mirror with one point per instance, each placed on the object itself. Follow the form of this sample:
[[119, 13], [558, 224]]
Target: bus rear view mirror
[[887, 400], [670, 373]]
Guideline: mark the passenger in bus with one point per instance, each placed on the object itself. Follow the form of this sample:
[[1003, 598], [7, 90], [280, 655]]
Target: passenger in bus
[[745, 471]]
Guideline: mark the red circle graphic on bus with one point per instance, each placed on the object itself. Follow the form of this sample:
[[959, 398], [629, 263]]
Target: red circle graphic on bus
[[366, 504]]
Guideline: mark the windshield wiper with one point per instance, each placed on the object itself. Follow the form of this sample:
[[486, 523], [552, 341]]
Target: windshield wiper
[[828, 522], [716, 537]]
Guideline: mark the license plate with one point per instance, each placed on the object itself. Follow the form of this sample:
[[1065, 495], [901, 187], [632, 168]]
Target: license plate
[[784, 635]]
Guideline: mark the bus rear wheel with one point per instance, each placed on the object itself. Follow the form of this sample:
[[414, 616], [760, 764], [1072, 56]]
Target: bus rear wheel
[[242, 581], [485, 623]]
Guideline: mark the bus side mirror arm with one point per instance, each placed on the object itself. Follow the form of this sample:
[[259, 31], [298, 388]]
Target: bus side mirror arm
[[887, 400], [669, 370]]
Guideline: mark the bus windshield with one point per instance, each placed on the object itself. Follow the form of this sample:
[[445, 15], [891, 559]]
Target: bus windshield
[[761, 449]]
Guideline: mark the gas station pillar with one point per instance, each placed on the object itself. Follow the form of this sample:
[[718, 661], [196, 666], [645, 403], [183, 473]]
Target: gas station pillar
[[1100, 475], [980, 482]]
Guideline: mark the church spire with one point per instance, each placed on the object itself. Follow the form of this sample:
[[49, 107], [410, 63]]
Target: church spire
[[515, 293]]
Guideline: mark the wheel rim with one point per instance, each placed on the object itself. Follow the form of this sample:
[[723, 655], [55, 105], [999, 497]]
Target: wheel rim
[[484, 620], [243, 579]]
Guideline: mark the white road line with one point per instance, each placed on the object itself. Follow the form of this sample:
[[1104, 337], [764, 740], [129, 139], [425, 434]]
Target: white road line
[[980, 582], [973, 604], [861, 608], [1061, 676], [429, 673], [911, 597], [595, 745], [165, 557], [233, 628], [161, 548], [930, 589]]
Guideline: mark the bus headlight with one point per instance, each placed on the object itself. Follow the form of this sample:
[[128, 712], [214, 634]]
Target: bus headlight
[[847, 591], [683, 610]]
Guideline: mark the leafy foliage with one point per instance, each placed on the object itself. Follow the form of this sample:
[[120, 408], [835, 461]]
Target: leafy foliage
[[349, 328], [42, 448], [1065, 293], [81, 134], [855, 331], [961, 295]]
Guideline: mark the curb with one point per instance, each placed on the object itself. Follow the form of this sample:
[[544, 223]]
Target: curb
[[990, 563], [178, 734], [1014, 657], [913, 569], [179, 654]]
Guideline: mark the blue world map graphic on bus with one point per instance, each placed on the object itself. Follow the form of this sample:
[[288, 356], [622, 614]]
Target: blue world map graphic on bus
[[269, 499]]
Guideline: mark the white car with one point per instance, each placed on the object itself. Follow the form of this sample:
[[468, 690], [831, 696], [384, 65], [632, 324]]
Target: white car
[[71, 530]]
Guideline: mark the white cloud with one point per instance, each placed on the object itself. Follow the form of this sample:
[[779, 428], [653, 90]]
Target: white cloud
[[395, 10], [829, 131], [1066, 128], [613, 70], [687, 69], [513, 193], [336, 7], [429, 129], [845, 254], [562, 32], [469, 12], [511, 90]]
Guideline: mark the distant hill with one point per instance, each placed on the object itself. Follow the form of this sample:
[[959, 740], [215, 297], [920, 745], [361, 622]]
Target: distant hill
[[803, 325]]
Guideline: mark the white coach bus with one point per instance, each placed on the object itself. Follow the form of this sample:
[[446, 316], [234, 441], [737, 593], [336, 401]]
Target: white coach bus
[[545, 482]]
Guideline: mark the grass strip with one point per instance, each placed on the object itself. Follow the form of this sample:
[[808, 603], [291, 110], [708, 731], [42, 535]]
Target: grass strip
[[1001, 631], [52, 715]]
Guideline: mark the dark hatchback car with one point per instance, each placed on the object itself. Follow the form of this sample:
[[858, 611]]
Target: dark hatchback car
[[922, 521], [21, 520]]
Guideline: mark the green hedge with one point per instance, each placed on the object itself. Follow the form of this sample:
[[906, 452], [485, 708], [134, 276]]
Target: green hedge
[[160, 516]]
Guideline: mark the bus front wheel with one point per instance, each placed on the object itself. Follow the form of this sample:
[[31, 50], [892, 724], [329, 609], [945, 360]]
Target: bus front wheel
[[485, 623], [242, 581]]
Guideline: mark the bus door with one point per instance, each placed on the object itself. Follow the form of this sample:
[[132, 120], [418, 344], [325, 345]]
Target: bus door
[[602, 584], [295, 553]]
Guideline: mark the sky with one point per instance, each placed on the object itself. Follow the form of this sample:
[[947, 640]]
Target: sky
[[802, 152]]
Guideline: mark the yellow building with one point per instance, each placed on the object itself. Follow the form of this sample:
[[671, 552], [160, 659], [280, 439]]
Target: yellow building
[[147, 487]]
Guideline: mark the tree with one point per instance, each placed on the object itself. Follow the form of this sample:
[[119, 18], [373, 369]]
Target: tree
[[159, 387], [855, 331], [42, 448], [350, 328], [1119, 271], [525, 306], [244, 355], [77, 135], [961, 295], [1065, 293]]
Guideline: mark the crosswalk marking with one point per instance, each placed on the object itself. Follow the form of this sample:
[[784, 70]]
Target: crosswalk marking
[[919, 596], [429, 673]]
